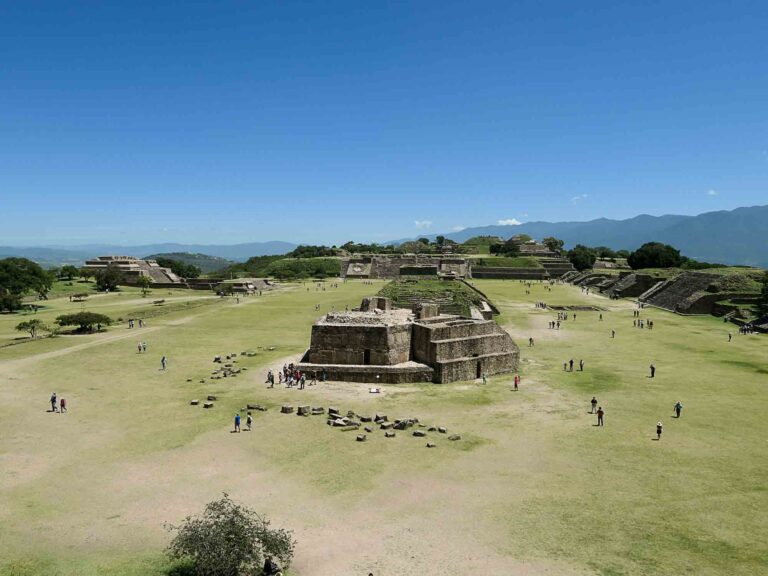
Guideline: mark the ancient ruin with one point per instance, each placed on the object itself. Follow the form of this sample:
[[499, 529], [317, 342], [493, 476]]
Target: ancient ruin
[[379, 343], [393, 266], [132, 268]]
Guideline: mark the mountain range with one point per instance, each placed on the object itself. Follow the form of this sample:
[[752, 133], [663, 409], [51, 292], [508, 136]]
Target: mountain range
[[738, 237], [59, 255]]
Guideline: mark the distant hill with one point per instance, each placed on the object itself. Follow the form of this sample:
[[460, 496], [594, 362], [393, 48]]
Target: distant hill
[[49, 256], [205, 262], [737, 236]]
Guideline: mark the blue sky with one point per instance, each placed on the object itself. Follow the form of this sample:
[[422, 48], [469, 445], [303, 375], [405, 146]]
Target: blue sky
[[229, 122]]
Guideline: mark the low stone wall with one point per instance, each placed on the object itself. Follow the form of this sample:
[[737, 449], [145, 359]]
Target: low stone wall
[[498, 273], [472, 368], [408, 374]]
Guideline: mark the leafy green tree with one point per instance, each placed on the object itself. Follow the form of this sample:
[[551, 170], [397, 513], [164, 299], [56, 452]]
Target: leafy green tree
[[622, 254], [20, 276], [85, 273], [423, 241], [84, 320], [655, 255], [554, 244], [311, 252], [229, 539], [582, 257], [179, 268], [144, 282], [34, 327], [69, 272], [440, 240], [510, 248], [605, 252], [108, 278]]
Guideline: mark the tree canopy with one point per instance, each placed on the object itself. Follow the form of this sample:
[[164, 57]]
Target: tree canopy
[[179, 268], [554, 244], [84, 320], [34, 327], [20, 276], [655, 255], [582, 257], [229, 539], [108, 278]]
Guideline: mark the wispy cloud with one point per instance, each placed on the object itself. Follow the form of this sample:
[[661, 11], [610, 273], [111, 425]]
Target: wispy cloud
[[423, 224], [711, 192], [458, 228], [509, 222], [579, 198]]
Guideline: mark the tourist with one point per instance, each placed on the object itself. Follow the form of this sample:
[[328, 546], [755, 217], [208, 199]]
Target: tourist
[[601, 317], [581, 365], [53, 402], [485, 378], [570, 364], [271, 568], [163, 362], [141, 323], [659, 428], [600, 415], [530, 342], [143, 346], [653, 371], [678, 408], [730, 336], [565, 366], [594, 404], [237, 423], [249, 421], [139, 347], [517, 381], [62, 406], [613, 333]]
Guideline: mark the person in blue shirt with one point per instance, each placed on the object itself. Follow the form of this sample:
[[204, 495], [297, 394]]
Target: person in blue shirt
[[237, 422]]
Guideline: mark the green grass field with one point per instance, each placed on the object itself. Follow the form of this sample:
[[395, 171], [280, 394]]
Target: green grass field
[[533, 487]]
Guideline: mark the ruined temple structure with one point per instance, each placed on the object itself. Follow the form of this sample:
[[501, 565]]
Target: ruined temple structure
[[132, 268], [394, 266], [379, 343]]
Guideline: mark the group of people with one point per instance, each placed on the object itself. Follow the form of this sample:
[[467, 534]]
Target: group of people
[[248, 422], [292, 376], [132, 323], [643, 324], [58, 404], [142, 346], [568, 366], [598, 410]]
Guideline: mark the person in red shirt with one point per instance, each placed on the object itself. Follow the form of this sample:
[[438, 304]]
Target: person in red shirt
[[600, 414], [517, 381]]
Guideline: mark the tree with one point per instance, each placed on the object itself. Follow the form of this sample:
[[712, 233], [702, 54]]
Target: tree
[[144, 282], [84, 320], [108, 278], [423, 241], [655, 255], [19, 276], [33, 327], [85, 273], [554, 244], [179, 268], [605, 252], [69, 272], [582, 257], [510, 248], [440, 240], [229, 539]]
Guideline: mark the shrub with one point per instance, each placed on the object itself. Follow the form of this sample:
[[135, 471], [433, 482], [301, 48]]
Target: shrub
[[228, 539]]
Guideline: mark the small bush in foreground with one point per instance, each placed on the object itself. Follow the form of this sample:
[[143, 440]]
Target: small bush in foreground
[[228, 539]]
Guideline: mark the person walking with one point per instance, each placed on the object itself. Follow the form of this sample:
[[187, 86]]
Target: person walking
[[163, 362], [659, 428], [139, 347], [581, 365], [594, 404], [53, 402], [653, 371], [143, 346], [62, 406], [570, 364], [730, 336], [678, 408], [249, 421], [485, 378], [613, 333], [237, 423], [600, 414], [517, 382], [530, 342]]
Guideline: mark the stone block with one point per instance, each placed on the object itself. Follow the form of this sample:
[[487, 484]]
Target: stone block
[[366, 419], [430, 445], [389, 434], [286, 409], [303, 411], [208, 405], [361, 437], [212, 398], [419, 433], [195, 402], [454, 437], [442, 429], [385, 425]]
